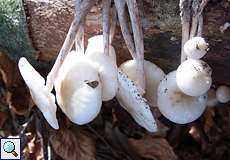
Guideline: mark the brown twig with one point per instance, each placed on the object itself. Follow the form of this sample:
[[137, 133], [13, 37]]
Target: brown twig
[[86, 5], [106, 24], [120, 6]]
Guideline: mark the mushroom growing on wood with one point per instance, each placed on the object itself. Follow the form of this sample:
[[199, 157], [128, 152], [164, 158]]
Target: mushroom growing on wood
[[95, 44], [84, 8], [129, 94], [223, 94], [193, 77], [79, 81], [136, 46], [177, 106], [192, 26], [103, 55], [78, 89], [195, 48], [153, 76], [40, 94], [131, 100], [107, 70], [106, 65]]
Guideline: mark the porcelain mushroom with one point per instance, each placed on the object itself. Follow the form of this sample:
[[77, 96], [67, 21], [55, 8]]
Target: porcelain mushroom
[[195, 48], [153, 76], [193, 77], [212, 100], [95, 44], [223, 94], [129, 94], [107, 69], [102, 54], [177, 106], [44, 100], [78, 89], [79, 18], [131, 100]]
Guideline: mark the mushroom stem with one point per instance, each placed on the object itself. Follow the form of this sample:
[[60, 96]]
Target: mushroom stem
[[120, 6], [86, 5], [197, 13], [138, 40], [185, 21], [200, 26], [113, 24], [106, 24], [200, 18], [194, 23], [79, 41], [191, 26]]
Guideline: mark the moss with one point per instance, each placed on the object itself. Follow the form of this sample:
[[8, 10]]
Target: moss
[[14, 38]]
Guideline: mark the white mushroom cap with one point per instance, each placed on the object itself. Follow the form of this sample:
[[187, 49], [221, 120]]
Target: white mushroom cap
[[78, 89], [194, 77], [153, 76], [212, 100], [131, 100], [177, 106], [95, 44], [195, 48], [223, 94], [44, 100], [108, 74]]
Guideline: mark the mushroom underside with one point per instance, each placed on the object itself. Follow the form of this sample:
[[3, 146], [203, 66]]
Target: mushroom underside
[[177, 106]]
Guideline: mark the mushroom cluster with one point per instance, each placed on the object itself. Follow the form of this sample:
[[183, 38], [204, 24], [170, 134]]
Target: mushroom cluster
[[83, 79], [182, 94], [83, 82]]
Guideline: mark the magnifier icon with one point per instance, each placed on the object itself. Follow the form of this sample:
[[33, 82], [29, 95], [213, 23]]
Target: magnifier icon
[[9, 147]]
